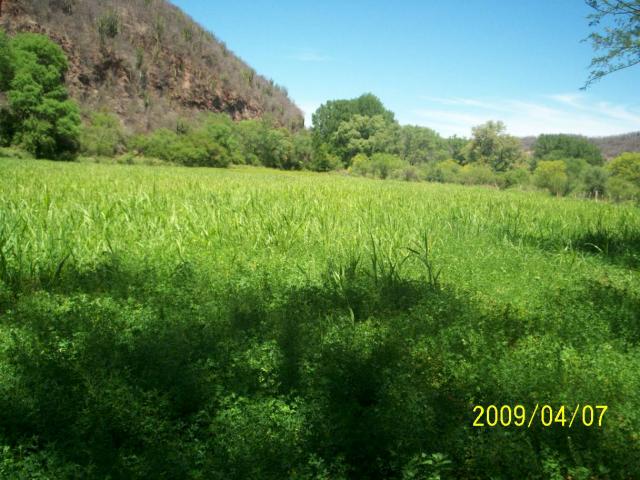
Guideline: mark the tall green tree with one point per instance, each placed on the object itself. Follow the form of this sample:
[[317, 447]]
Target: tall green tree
[[492, 146], [627, 167], [366, 135], [560, 146], [619, 41], [40, 116], [327, 118], [6, 62], [422, 145]]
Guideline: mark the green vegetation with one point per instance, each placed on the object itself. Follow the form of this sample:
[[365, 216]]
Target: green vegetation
[[39, 117], [359, 135], [554, 147], [618, 43], [250, 323]]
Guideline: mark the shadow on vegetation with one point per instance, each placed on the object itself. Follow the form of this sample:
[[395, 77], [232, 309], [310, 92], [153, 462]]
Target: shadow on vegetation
[[617, 246], [135, 373]]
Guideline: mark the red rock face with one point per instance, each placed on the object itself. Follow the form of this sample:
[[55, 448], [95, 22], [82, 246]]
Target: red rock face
[[159, 66]]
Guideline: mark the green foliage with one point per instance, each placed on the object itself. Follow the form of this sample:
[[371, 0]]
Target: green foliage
[[6, 62], [620, 40], [211, 144], [477, 174], [626, 167], [327, 118], [594, 180], [621, 190], [323, 160], [264, 144], [39, 117], [492, 146], [456, 147], [445, 171], [422, 145], [108, 25], [364, 134], [252, 324], [102, 135], [380, 165], [516, 177], [552, 175], [558, 147]]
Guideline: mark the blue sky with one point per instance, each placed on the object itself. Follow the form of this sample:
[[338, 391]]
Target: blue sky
[[442, 64]]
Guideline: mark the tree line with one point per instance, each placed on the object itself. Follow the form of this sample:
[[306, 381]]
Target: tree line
[[360, 136]]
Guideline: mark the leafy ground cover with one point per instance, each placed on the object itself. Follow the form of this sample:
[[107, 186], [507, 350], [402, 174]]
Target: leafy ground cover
[[164, 322]]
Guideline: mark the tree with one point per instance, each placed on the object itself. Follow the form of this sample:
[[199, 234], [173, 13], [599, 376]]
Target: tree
[[626, 167], [492, 146], [560, 146], [595, 181], [266, 145], [328, 117], [552, 175], [6, 62], [363, 134], [40, 116], [456, 146], [422, 145], [620, 41]]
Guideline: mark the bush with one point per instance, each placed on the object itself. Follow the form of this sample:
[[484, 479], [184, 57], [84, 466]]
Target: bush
[[381, 165], [211, 145], [263, 144], [445, 172], [516, 177], [552, 175], [102, 136], [477, 174], [594, 181], [322, 160], [620, 190], [409, 173], [626, 167]]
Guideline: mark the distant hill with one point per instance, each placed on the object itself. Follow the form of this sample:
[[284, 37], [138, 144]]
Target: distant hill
[[611, 146], [148, 62]]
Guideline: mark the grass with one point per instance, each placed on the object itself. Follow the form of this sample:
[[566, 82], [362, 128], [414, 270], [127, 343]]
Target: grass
[[348, 324]]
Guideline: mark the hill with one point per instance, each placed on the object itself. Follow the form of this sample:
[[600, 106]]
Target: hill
[[611, 146], [148, 62]]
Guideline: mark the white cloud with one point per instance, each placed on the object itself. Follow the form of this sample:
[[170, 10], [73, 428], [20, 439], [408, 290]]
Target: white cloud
[[558, 113]]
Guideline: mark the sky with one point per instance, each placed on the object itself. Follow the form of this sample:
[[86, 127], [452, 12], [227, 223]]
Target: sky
[[440, 64]]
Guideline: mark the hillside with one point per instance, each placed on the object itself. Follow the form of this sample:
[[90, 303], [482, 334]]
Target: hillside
[[148, 62], [611, 146]]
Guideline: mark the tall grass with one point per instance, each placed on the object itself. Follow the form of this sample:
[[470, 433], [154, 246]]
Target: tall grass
[[252, 323]]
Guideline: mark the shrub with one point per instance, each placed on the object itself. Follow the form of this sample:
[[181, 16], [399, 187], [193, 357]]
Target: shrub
[[626, 167], [102, 135], [445, 172], [515, 178], [322, 160], [384, 165], [211, 145], [594, 181], [477, 174], [552, 175], [263, 144], [620, 190]]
